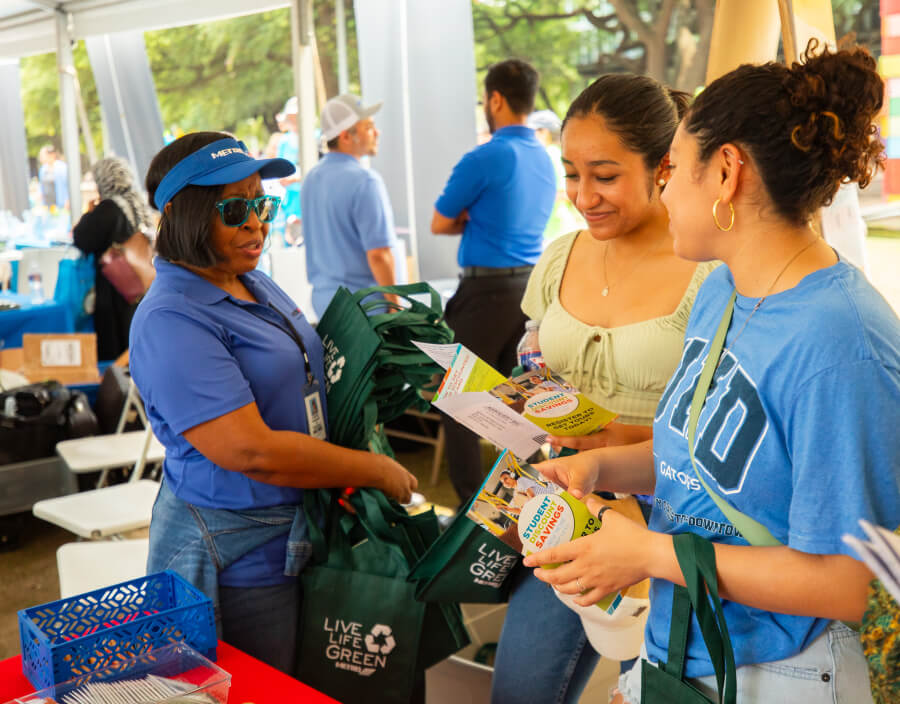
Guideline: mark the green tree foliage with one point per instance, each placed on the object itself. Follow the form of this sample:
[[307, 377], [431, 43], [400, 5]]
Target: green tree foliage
[[552, 39], [40, 99], [573, 41], [232, 75], [235, 74]]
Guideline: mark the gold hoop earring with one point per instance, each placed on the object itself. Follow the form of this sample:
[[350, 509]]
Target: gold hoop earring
[[716, 217]]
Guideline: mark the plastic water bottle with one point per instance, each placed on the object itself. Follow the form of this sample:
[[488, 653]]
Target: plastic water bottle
[[529, 349], [35, 284]]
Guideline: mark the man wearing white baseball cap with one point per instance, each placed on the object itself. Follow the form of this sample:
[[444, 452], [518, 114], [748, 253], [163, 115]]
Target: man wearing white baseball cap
[[348, 221]]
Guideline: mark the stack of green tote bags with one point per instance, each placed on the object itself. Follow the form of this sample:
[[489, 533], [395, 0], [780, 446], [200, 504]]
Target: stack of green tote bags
[[364, 637], [373, 371]]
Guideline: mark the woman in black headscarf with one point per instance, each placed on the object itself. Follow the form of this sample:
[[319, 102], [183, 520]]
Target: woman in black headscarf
[[120, 212]]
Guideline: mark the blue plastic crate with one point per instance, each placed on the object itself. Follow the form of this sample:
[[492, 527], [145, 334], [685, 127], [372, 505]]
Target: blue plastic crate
[[99, 630]]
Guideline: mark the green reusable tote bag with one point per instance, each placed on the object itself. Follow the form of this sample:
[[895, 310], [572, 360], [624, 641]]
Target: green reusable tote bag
[[350, 346], [444, 632], [360, 630], [465, 564], [665, 684]]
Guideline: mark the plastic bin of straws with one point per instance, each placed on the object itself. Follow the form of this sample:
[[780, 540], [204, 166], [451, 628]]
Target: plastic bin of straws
[[173, 674]]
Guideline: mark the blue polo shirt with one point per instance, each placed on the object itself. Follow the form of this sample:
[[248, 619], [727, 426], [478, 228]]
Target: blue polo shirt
[[346, 213], [197, 353], [508, 187]]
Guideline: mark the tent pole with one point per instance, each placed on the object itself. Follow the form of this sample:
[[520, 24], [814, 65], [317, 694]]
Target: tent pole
[[304, 81], [340, 22], [65, 63]]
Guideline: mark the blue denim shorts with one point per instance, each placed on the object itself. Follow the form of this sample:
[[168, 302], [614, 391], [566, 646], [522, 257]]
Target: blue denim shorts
[[832, 670]]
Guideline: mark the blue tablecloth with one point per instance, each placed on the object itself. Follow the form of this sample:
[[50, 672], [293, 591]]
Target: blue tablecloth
[[48, 316]]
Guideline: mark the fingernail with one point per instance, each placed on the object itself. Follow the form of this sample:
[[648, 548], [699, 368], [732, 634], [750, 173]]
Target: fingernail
[[528, 562]]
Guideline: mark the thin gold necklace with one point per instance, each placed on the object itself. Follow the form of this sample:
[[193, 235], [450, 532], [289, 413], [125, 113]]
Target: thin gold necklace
[[605, 291], [771, 288]]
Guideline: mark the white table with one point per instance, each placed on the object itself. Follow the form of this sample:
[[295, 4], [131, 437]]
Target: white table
[[102, 512]]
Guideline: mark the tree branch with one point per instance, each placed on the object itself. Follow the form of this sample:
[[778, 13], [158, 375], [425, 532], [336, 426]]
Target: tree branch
[[629, 17]]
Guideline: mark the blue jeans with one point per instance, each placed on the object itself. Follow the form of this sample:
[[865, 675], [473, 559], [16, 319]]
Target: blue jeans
[[832, 670], [199, 542], [543, 654]]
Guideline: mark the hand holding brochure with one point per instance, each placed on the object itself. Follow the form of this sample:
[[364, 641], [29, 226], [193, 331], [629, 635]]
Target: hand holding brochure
[[515, 413], [529, 513]]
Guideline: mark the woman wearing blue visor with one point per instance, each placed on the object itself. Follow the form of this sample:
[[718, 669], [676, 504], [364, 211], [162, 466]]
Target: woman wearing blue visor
[[232, 377]]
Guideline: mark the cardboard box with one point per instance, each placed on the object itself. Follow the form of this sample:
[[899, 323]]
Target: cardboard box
[[67, 358]]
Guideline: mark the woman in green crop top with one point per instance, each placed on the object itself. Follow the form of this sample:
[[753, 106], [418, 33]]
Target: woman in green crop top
[[613, 302]]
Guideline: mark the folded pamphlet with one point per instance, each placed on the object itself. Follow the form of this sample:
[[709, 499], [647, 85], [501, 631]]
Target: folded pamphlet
[[515, 413]]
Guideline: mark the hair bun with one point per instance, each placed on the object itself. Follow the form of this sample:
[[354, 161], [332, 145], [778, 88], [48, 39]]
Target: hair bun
[[834, 98]]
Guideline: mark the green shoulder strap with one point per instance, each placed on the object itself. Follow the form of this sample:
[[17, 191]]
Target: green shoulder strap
[[754, 531]]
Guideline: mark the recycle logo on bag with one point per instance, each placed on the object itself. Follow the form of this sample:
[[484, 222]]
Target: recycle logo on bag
[[334, 362], [335, 369], [387, 642], [351, 649]]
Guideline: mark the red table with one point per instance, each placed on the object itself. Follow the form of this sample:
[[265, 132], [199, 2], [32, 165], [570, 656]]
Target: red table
[[251, 681]]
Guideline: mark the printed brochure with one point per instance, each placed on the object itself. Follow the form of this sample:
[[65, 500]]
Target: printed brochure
[[529, 513], [881, 553], [514, 413]]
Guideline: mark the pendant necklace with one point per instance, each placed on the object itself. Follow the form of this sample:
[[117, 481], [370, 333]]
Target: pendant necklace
[[766, 295], [606, 287]]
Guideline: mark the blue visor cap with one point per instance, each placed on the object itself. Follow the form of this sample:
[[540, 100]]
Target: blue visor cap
[[223, 161]]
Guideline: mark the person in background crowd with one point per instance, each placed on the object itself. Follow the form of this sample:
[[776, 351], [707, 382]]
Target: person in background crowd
[[499, 198], [564, 218], [227, 366], [53, 176], [119, 212], [613, 302], [808, 340], [287, 147], [349, 224]]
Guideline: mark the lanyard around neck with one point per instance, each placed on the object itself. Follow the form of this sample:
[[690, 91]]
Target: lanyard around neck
[[289, 330], [753, 531]]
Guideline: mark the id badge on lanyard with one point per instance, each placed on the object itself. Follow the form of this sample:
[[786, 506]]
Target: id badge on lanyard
[[315, 419]]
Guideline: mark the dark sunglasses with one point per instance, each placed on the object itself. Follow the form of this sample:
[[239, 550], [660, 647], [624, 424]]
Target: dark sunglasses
[[235, 211]]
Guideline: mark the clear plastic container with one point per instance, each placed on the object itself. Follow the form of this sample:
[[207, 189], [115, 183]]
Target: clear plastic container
[[174, 673], [35, 284]]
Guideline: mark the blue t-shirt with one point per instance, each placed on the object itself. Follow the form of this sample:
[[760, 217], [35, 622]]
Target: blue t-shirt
[[346, 213], [508, 187], [799, 431], [196, 354]]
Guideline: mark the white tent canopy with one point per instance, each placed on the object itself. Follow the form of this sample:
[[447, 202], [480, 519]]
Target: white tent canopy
[[38, 26], [28, 26]]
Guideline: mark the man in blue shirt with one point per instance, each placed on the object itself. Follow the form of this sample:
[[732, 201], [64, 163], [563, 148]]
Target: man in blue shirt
[[348, 224], [499, 198]]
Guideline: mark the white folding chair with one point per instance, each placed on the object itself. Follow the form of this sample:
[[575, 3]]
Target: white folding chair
[[108, 511], [86, 566], [120, 449], [102, 513]]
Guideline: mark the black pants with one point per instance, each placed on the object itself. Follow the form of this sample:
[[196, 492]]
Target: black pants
[[486, 316], [263, 622]]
